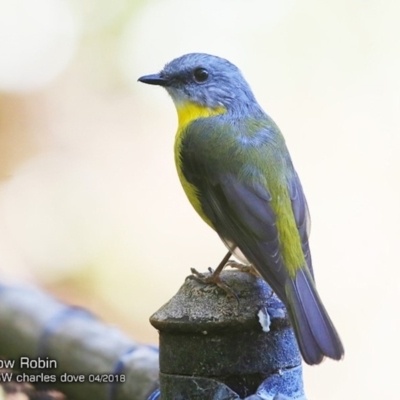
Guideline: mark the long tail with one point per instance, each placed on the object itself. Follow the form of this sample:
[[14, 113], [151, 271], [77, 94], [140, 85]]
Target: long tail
[[315, 333]]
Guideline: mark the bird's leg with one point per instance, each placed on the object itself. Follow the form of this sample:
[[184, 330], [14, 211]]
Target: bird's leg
[[214, 273], [214, 277]]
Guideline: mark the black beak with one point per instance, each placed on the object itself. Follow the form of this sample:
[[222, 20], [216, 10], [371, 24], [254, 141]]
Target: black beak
[[154, 79]]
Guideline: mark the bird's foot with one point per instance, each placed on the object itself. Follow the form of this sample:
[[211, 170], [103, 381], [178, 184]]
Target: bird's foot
[[213, 278], [242, 267]]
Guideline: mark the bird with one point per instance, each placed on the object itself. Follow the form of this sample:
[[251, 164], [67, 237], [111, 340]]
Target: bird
[[237, 173]]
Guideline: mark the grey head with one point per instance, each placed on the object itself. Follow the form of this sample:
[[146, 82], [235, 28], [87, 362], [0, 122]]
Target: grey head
[[206, 80]]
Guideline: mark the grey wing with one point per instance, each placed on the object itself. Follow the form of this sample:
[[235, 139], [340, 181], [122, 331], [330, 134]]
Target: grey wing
[[242, 215]]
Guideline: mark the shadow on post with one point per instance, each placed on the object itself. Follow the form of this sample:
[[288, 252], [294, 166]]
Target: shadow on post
[[213, 347]]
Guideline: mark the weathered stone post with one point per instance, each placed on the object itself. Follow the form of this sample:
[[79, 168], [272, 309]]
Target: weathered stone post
[[215, 347]]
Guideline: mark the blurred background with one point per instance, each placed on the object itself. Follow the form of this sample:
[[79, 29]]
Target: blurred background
[[91, 209]]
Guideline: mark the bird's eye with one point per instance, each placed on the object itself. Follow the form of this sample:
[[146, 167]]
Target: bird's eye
[[200, 75]]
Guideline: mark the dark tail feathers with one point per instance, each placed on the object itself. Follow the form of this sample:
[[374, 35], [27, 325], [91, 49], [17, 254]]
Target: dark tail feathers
[[315, 333]]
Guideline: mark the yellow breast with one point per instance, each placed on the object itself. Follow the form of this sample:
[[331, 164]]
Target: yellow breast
[[187, 113]]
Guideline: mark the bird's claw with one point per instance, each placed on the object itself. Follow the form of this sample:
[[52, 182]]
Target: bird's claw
[[249, 269], [213, 279]]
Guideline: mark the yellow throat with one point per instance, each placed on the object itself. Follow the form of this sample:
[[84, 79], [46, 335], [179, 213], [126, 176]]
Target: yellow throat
[[189, 112]]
